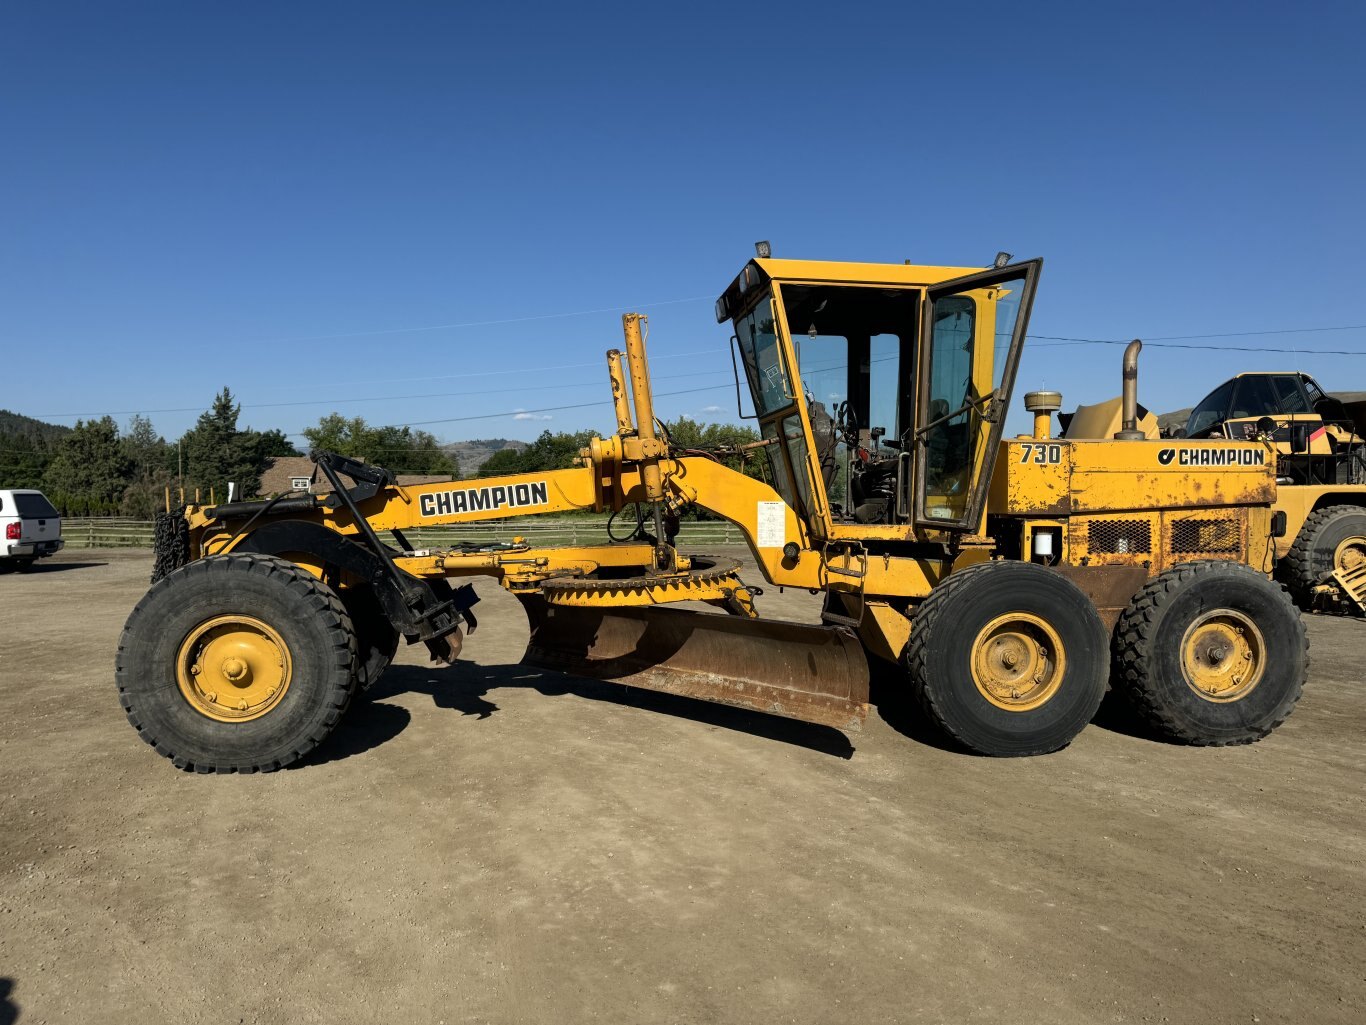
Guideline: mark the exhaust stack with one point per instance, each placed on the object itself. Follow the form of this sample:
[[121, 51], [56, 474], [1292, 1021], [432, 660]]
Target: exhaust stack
[[1129, 427]]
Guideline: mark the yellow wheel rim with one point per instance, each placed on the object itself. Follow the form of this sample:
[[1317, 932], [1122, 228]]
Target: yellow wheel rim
[[1350, 554], [233, 668], [1018, 661], [1223, 655]]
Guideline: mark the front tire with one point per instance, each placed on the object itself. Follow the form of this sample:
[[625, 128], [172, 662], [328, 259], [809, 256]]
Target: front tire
[[1211, 654], [1008, 659], [236, 663]]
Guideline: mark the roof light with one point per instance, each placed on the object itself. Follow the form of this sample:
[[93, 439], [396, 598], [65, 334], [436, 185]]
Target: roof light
[[763, 250]]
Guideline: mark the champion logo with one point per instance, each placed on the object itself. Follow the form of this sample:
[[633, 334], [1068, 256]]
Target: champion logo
[[1212, 456], [467, 500]]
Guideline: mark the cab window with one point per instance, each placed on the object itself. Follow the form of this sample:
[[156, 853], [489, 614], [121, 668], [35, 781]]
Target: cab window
[[1291, 395], [855, 353], [1254, 396], [758, 339], [1206, 416]]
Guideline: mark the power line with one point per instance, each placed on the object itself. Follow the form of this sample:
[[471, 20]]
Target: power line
[[1225, 334], [1041, 341], [1154, 344], [486, 323], [542, 409], [400, 398]]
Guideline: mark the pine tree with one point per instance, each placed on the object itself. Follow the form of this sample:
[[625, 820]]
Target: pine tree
[[89, 465]]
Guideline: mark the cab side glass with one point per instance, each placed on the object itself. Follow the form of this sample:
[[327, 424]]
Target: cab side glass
[[1290, 396], [1211, 412], [1253, 396]]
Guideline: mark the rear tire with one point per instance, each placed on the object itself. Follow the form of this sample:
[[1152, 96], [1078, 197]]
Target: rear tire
[[1331, 538], [236, 663], [1008, 659], [1211, 654]]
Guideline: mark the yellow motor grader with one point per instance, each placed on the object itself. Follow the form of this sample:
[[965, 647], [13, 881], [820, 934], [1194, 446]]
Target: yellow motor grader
[[1006, 579]]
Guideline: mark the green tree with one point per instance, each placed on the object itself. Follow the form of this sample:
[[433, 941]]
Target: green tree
[[89, 470], [215, 451], [150, 469], [400, 449], [551, 451], [24, 459], [725, 441]]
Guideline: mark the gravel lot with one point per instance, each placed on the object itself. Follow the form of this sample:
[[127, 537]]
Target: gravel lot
[[485, 843]]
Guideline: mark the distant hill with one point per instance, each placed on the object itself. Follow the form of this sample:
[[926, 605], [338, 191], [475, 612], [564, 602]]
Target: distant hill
[[471, 454], [16, 424], [1175, 419]]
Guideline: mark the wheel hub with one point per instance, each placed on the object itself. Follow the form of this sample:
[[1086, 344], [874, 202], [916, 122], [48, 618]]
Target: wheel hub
[[233, 668], [1018, 661], [1223, 655], [1350, 554]]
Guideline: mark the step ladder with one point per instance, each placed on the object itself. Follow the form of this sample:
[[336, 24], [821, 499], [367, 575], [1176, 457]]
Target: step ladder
[[1353, 583]]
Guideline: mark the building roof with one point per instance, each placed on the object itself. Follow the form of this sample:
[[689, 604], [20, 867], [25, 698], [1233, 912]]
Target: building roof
[[282, 471]]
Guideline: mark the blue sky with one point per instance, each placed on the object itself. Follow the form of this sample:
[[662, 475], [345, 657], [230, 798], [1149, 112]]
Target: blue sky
[[269, 196]]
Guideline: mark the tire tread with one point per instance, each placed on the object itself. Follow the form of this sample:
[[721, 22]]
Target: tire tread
[[327, 606], [1136, 636]]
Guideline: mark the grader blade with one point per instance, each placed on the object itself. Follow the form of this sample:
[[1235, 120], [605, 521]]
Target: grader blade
[[817, 674]]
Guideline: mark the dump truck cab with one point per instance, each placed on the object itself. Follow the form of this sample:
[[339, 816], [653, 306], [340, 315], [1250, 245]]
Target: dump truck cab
[[1318, 439], [1320, 446]]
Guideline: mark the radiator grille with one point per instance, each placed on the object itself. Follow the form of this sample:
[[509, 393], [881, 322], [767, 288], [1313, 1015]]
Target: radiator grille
[[1119, 537], [1212, 537]]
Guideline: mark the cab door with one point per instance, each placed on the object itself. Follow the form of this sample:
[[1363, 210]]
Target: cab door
[[972, 332]]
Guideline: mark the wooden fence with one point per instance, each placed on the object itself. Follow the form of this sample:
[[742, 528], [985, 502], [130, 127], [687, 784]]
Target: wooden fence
[[113, 532]]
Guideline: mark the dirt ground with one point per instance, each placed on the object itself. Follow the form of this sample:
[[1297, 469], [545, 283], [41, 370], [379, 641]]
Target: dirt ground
[[486, 843]]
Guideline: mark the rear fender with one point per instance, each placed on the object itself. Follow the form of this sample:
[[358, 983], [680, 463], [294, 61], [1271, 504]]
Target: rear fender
[[404, 600]]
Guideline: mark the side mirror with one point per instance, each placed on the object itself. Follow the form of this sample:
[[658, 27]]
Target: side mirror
[[1299, 438], [1266, 426]]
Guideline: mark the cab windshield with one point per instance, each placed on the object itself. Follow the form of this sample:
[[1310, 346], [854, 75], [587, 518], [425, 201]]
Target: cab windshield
[[758, 339]]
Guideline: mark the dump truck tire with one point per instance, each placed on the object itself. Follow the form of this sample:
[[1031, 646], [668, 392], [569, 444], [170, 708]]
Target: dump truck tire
[[376, 638], [236, 663], [1008, 659], [1211, 654], [1331, 538]]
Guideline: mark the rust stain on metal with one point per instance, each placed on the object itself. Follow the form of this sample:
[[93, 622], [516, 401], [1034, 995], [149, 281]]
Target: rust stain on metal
[[817, 674]]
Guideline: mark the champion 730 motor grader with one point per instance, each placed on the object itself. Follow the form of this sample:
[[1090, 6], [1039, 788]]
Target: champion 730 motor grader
[[1006, 579]]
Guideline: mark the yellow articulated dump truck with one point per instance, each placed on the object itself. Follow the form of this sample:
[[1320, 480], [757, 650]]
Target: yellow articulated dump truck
[[1320, 444], [1006, 579]]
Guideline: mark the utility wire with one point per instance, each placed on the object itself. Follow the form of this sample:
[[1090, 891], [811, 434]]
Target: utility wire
[[1042, 341], [400, 398], [487, 323]]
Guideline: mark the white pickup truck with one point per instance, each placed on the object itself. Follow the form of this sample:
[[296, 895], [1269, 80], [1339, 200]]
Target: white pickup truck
[[29, 529]]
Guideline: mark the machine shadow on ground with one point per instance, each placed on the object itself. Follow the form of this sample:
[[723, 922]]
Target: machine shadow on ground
[[469, 688], [47, 566], [466, 688], [9, 1010]]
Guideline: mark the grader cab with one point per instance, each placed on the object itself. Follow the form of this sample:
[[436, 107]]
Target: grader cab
[[1006, 579]]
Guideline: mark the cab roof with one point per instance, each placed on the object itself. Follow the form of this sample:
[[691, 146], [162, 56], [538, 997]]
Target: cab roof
[[862, 273], [740, 293]]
